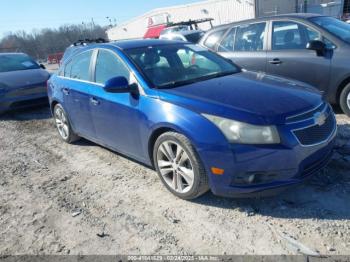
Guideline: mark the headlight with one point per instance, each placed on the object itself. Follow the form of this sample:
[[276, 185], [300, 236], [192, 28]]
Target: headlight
[[243, 133]]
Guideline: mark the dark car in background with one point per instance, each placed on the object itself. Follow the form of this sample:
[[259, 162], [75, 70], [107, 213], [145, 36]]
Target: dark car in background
[[310, 48], [22, 82]]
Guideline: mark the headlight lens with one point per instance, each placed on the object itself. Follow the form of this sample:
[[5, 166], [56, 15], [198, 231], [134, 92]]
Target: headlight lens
[[243, 133]]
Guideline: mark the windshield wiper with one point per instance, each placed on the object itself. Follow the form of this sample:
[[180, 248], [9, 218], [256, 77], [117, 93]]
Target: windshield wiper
[[221, 74], [195, 80]]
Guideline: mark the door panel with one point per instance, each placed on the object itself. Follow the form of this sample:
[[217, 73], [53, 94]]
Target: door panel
[[115, 115], [78, 108], [245, 45], [253, 61], [75, 89], [116, 120], [303, 65], [290, 58]]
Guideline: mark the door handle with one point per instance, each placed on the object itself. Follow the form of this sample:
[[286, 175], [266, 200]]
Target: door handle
[[94, 101], [275, 61], [65, 91]]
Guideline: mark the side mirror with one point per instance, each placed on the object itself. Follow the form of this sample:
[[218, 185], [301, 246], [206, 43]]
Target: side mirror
[[317, 46], [42, 66], [117, 85]]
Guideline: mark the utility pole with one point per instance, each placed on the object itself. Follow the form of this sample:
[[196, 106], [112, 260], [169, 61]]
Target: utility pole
[[305, 6], [92, 27]]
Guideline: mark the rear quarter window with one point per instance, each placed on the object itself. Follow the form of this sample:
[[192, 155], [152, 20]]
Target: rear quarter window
[[213, 38]]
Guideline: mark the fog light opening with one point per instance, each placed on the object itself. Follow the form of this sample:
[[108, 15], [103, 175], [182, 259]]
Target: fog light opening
[[254, 178]]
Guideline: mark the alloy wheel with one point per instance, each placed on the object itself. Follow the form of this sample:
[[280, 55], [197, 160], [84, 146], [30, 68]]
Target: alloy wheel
[[175, 166], [62, 123], [348, 100]]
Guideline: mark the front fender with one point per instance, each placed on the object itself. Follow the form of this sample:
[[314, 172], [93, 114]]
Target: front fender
[[211, 145]]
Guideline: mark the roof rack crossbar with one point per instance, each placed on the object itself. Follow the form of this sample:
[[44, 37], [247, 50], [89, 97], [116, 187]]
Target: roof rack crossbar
[[90, 41]]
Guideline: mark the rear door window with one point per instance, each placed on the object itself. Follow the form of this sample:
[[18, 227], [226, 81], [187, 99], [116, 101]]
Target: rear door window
[[79, 67], [250, 37]]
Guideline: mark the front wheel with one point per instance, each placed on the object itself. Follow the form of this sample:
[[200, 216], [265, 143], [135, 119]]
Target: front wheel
[[345, 100], [63, 125], [179, 167]]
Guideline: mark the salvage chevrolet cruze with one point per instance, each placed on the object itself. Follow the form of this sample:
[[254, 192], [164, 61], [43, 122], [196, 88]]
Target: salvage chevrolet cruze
[[197, 118]]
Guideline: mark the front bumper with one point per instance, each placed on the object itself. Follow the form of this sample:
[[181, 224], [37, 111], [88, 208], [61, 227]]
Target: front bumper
[[281, 166], [287, 178], [10, 100]]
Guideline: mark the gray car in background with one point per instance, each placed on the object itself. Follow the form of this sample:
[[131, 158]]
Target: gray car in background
[[306, 47], [22, 82]]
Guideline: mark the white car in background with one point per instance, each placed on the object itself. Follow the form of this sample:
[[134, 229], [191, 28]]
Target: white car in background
[[192, 36]]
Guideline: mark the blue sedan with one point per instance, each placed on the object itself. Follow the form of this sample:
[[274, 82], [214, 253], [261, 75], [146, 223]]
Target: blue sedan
[[201, 121], [22, 82]]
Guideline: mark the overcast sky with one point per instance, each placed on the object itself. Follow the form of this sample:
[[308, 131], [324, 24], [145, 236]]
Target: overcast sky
[[26, 15]]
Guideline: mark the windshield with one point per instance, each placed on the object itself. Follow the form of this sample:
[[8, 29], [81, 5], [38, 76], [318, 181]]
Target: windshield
[[16, 62], [334, 26], [175, 65]]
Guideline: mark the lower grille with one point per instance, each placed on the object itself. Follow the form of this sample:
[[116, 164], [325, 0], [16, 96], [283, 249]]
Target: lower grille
[[316, 134], [28, 103], [316, 166]]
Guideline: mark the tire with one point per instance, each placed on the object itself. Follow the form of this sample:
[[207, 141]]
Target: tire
[[179, 166], [63, 125], [345, 100]]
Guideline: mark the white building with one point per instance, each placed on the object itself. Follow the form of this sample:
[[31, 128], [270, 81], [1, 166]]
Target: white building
[[222, 11]]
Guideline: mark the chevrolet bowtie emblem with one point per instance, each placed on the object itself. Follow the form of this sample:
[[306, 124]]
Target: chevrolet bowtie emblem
[[320, 118]]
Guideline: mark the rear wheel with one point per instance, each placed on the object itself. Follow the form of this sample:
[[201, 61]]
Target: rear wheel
[[345, 100], [179, 166], [63, 126]]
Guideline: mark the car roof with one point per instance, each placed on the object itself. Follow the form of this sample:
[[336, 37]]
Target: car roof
[[121, 44], [140, 43], [295, 15], [286, 16]]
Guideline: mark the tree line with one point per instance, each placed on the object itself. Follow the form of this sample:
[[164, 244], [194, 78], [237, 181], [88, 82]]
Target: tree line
[[40, 43]]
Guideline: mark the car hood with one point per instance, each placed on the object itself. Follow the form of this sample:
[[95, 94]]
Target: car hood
[[255, 98], [23, 78]]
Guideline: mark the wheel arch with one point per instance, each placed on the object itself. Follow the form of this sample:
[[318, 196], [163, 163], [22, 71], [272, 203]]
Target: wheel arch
[[161, 129], [154, 136], [53, 104], [341, 87]]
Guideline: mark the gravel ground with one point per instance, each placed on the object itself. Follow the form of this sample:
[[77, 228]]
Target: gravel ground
[[57, 198]]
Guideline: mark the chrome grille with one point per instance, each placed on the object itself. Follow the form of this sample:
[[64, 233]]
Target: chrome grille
[[316, 134]]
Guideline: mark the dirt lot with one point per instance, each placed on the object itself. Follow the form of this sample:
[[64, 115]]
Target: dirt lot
[[84, 199]]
